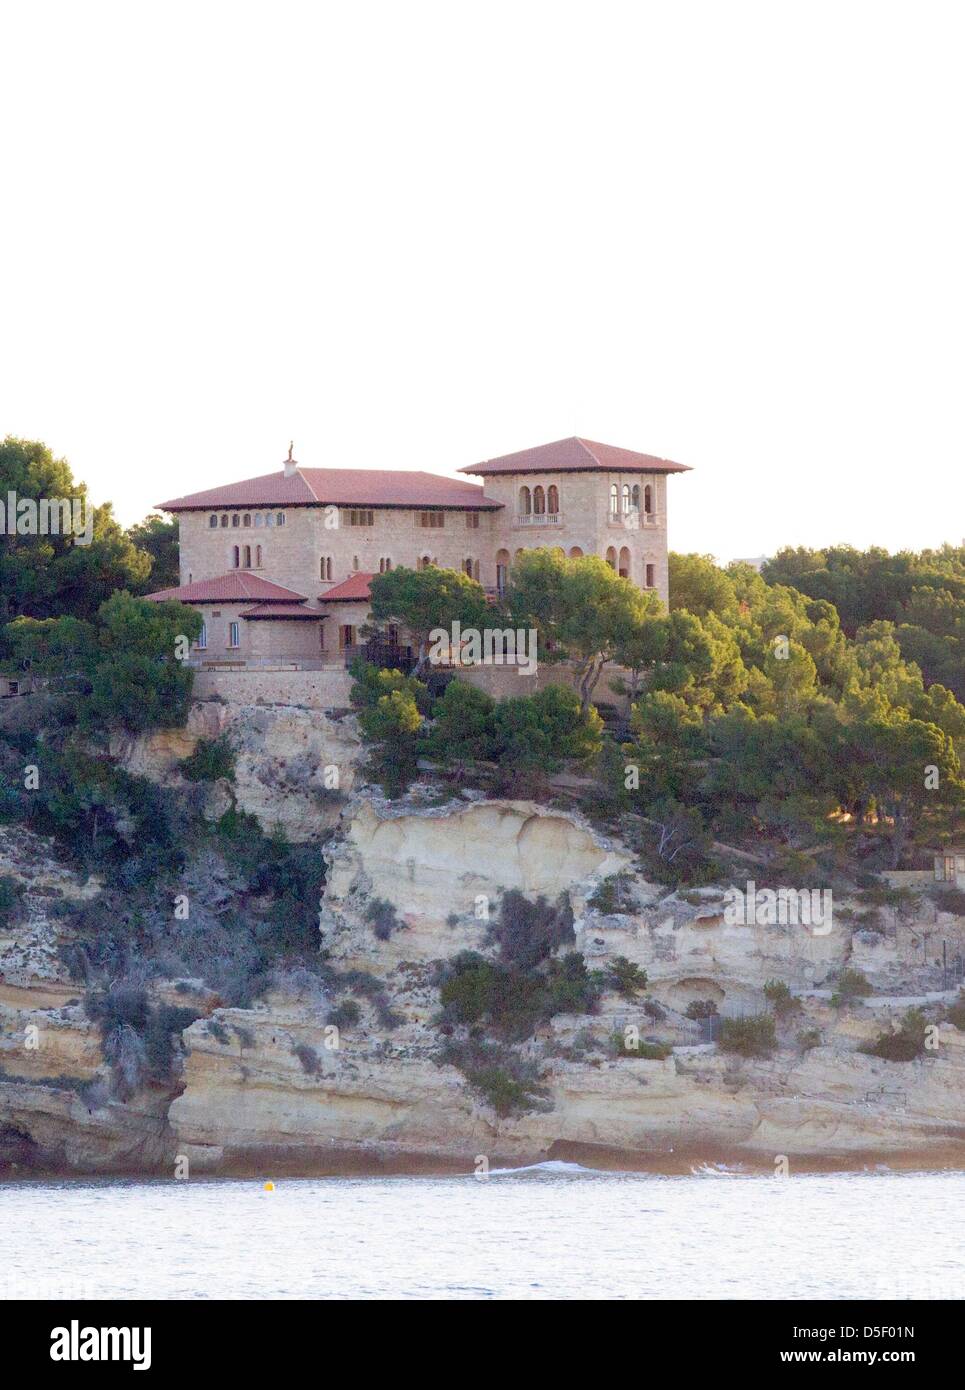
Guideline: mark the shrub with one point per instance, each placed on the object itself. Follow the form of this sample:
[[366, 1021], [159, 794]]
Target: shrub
[[808, 1038], [700, 1008], [625, 977], [211, 760], [475, 990], [646, 1051], [956, 1013], [310, 1062], [383, 919], [780, 998], [137, 1037], [903, 1044], [527, 932], [949, 900], [852, 984], [10, 895], [345, 1014], [613, 895], [753, 1036], [506, 1081]]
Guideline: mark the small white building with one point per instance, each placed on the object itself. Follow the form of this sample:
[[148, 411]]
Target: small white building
[[950, 866]]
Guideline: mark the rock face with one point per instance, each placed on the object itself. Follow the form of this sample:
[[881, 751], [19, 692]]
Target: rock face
[[293, 766], [55, 1112], [410, 885]]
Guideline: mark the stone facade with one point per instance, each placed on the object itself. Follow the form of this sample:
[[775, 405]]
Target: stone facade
[[617, 512]]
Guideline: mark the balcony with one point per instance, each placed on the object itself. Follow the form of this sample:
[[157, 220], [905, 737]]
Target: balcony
[[538, 519], [633, 520]]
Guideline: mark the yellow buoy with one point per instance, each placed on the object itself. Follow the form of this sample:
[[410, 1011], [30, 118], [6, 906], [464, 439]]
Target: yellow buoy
[[269, 1187]]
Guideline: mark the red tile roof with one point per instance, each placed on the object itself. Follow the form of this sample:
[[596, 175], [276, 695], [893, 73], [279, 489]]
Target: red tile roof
[[355, 588], [343, 487], [576, 456], [284, 610], [237, 586]]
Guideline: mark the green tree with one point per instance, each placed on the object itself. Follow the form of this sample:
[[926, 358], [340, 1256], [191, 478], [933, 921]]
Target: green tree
[[125, 670], [46, 576], [425, 600], [158, 538], [393, 725], [580, 608], [463, 733]]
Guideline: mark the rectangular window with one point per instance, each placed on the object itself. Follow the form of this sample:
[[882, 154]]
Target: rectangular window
[[360, 516], [433, 520], [202, 641], [472, 521], [234, 635], [651, 571]]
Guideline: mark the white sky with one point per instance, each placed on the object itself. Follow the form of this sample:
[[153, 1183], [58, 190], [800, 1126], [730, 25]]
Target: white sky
[[417, 235]]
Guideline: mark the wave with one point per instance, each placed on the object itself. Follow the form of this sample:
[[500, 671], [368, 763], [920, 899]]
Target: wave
[[552, 1165], [718, 1170]]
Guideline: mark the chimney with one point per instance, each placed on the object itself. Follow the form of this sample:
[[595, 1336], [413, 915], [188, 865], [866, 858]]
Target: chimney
[[291, 465]]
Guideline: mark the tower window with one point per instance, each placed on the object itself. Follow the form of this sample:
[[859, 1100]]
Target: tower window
[[552, 499], [325, 567], [651, 576]]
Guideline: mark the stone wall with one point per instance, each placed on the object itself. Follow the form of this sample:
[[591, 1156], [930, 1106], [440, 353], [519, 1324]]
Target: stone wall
[[326, 689]]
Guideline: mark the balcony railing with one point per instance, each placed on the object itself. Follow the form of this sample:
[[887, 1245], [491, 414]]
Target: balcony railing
[[633, 520], [538, 519]]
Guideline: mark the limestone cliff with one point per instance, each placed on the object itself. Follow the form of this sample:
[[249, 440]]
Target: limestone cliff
[[412, 884], [293, 766]]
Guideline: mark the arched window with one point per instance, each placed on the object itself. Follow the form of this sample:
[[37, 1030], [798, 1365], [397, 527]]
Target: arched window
[[269, 518], [246, 519], [502, 570], [552, 499], [647, 500], [224, 518], [424, 562], [325, 567], [355, 562], [539, 501], [635, 497], [259, 519], [625, 498], [212, 521], [247, 564], [235, 556], [235, 519], [611, 557], [614, 499], [467, 567], [576, 553], [525, 505], [281, 518], [385, 564], [624, 570], [258, 557]]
